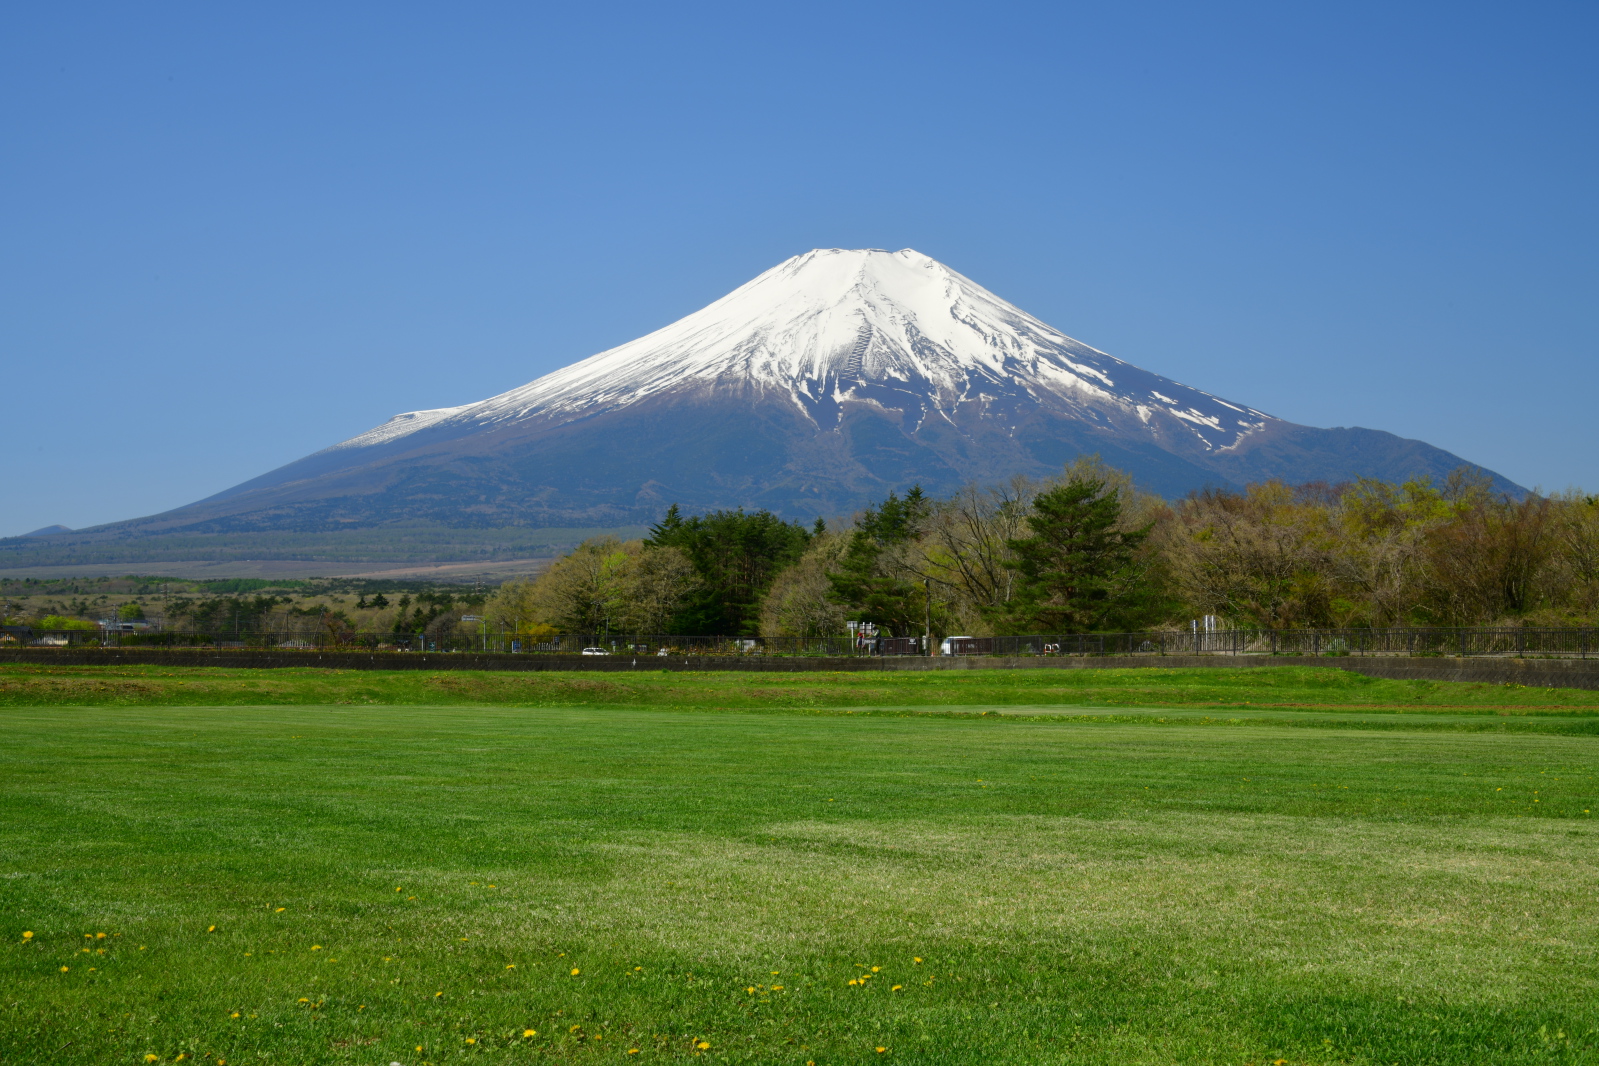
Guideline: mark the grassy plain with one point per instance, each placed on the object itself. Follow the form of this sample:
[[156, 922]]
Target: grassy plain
[[399, 872], [1081, 691]]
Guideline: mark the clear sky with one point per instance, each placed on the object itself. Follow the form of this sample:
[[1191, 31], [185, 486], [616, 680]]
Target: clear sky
[[231, 235]]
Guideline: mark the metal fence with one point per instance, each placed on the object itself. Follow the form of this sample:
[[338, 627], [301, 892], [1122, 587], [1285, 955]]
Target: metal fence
[[1436, 641], [661, 644], [1432, 641]]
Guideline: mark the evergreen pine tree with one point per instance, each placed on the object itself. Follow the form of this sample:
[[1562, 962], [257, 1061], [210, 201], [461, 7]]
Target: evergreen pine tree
[[1078, 570], [871, 579]]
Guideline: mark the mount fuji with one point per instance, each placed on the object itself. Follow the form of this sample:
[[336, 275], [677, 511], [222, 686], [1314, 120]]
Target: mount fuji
[[819, 386]]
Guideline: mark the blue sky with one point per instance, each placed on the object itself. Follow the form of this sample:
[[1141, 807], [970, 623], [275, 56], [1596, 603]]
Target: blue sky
[[231, 235]]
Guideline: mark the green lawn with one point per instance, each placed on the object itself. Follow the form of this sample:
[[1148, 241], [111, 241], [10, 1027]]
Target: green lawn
[[1284, 687], [1019, 889]]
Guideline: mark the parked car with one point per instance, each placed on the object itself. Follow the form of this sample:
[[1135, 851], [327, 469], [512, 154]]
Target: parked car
[[595, 651]]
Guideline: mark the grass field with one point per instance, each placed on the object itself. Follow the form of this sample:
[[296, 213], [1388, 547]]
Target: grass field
[[307, 867], [1091, 691]]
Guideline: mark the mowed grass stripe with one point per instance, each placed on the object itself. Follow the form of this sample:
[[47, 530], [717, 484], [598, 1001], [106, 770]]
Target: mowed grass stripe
[[1286, 687], [1077, 891]]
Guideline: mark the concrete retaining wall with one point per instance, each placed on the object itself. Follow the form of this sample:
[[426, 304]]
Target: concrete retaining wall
[[1544, 673]]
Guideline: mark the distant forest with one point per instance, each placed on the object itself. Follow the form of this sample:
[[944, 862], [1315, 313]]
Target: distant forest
[[1084, 552], [1087, 552], [396, 544]]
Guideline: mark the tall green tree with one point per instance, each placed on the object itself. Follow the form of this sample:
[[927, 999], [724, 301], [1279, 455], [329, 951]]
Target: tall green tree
[[879, 578], [736, 556], [1079, 570]]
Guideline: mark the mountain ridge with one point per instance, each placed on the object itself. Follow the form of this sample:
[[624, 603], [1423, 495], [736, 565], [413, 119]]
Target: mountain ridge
[[814, 388]]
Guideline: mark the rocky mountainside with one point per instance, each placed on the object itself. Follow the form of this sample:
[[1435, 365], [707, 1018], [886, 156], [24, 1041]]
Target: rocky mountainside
[[820, 385]]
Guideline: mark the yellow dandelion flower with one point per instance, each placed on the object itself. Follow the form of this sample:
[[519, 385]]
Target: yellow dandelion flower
[[915, 959], [471, 1040], [896, 988], [636, 969], [304, 1000], [876, 968], [530, 1032], [316, 947], [750, 990], [410, 897], [510, 966], [419, 1047], [436, 995], [853, 981], [152, 1058], [777, 988], [632, 1051], [235, 1014], [88, 936], [211, 929], [881, 1050], [99, 936], [574, 1028], [27, 934], [397, 888], [575, 971], [280, 910], [64, 969], [703, 1045]]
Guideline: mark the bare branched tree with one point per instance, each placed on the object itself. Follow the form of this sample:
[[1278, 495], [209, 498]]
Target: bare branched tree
[[799, 603]]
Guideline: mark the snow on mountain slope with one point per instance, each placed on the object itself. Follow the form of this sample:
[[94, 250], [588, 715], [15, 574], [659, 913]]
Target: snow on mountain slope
[[815, 389], [400, 425], [833, 326]]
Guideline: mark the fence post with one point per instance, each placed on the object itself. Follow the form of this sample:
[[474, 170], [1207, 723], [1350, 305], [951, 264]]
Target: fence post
[[1460, 635]]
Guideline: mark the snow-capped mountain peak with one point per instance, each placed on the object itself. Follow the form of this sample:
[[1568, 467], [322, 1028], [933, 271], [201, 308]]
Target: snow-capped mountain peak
[[838, 326], [821, 385]]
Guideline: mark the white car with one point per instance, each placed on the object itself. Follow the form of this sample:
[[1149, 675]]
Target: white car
[[595, 651]]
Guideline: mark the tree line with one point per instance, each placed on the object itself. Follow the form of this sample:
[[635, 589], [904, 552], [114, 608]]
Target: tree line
[[1086, 552]]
